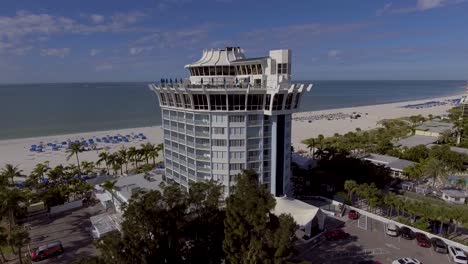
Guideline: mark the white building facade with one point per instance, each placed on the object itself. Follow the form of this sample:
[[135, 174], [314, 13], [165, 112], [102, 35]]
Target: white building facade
[[232, 113]]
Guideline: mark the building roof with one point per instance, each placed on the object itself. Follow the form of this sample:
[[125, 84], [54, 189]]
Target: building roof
[[435, 126], [302, 161], [302, 213], [105, 223], [455, 193], [393, 163], [415, 140], [218, 57], [241, 61], [126, 186]]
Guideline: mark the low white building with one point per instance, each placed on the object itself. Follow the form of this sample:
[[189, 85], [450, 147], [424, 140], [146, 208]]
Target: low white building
[[105, 223], [308, 217], [395, 164], [454, 196], [125, 187]]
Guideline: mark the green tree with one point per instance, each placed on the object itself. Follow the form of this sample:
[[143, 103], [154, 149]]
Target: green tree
[[10, 204], [250, 236], [435, 169], [110, 187], [104, 157], [74, 150], [123, 154], [18, 238], [350, 186], [3, 243], [10, 172]]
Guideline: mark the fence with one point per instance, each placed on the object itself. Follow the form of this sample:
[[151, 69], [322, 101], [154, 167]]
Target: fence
[[65, 207]]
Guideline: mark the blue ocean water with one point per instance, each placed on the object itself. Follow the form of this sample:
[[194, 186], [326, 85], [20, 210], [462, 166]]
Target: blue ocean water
[[29, 110]]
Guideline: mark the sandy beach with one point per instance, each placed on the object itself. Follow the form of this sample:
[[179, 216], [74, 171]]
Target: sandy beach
[[326, 122]]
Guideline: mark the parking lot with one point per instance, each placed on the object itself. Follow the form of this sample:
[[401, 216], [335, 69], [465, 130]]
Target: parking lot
[[73, 229], [372, 244]]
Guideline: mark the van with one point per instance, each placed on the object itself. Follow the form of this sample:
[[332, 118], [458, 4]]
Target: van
[[392, 230], [47, 251]]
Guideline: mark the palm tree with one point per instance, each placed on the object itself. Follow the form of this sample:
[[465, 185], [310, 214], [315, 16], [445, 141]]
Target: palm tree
[[74, 149], [10, 172], [124, 156], [10, 200], [104, 157], [145, 151], [160, 148], [88, 167], [56, 174], [350, 186], [134, 154], [18, 238], [435, 169], [3, 242], [111, 160], [109, 186], [39, 172]]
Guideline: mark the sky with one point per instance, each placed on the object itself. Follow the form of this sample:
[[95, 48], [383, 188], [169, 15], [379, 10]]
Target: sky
[[145, 40]]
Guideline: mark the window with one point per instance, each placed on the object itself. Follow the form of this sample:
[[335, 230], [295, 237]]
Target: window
[[296, 103], [200, 102], [220, 166], [236, 154], [236, 119], [278, 101], [236, 101], [178, 100], [218, 118], [187, 101], [236, 131], [217, 130], [259, 68], [283, 68], [163, 98], [219, 154], [169, 100], [218, 101], [236, 142], [288, 101], [219, 142], [218, 177], [236, 166], [255, 102]]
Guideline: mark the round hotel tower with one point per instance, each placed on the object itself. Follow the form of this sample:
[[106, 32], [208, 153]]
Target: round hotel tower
[[233, 113]]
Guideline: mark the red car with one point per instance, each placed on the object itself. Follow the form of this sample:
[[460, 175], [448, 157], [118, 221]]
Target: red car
[[47, 251], [336, 234], [353, 215], [423, 240]]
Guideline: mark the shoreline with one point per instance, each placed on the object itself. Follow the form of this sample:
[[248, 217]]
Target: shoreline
[[16, 151]]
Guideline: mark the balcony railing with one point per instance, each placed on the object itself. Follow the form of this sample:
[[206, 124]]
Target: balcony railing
[[202, 134], [202, 122], [203, 157], [203, 146], [203, 169], [189, 132]]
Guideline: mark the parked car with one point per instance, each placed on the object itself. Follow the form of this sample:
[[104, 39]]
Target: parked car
[[457, 255], [423, 240], [406, 233], [353, 215], [47, 251], [392, 229], [336, 234], [439, 246], [406, 261]]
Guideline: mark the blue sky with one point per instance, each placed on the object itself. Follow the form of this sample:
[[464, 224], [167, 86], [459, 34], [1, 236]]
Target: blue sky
[[121, 40]]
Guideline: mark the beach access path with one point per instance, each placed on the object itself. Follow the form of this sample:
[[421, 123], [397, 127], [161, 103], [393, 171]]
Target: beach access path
[[16, 151]]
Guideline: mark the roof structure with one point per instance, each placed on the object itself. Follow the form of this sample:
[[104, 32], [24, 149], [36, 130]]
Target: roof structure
[[302, 213], [435, 126], [393, 163], [455, 193], [218, 57], [126, 186], [105, 223], [415, 140]]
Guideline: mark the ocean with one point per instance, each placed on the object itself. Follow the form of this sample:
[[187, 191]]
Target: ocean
[[30, 110]]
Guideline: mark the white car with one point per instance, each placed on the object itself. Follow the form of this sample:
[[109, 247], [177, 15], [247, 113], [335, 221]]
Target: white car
[[392, 230], [457, 255], [407, 261]]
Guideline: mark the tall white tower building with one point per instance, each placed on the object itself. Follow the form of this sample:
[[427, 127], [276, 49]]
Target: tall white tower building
[[232, 113]]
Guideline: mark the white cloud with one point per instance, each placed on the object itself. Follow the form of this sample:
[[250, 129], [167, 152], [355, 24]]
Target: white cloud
[[104, 67], [97, 18], [138, 50], [334, 53], [94, 52], [55, 52], [421, 5]]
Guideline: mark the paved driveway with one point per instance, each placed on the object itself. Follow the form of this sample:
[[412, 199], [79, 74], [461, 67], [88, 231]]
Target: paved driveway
[[72, 228], [368, 245]]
